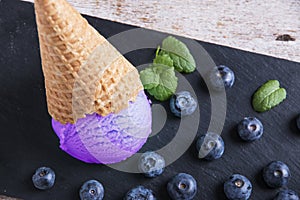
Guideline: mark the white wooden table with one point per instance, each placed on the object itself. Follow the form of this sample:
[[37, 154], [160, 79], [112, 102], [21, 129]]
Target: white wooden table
[[251, 25]]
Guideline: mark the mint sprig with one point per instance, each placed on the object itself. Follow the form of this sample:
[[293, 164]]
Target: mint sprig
[[159, 78], [268, 96], [160, 81]]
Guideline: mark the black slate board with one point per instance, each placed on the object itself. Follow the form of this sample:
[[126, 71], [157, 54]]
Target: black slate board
[[27, 140]]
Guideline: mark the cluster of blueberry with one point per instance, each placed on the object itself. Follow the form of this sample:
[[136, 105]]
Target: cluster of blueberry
[[151, 164], [220, 78], [181, 186], [44, 178], [210, 146], [276, 175]]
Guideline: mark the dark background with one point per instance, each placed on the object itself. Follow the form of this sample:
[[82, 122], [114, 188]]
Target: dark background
[[28, 141]]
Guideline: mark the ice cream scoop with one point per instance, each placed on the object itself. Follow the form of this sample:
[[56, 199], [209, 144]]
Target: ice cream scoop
[[94, 95], [108, 139]]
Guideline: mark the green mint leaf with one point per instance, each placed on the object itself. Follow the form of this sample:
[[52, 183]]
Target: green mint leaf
[[149, 78], [160, 81], [161, 93], [164, 60], [180, 64], [183, 60], [268, 96]]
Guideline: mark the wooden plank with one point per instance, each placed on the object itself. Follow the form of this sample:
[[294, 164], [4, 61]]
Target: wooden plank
[[248, 25], [2, 197]]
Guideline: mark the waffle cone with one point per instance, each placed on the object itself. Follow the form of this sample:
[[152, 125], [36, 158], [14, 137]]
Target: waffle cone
[[83, 72]]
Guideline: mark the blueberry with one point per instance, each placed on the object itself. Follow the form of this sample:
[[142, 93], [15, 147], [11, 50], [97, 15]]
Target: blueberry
[[221, 77], [151, 164], [91, 190], [298, 122], [182, 104], [210, 146], [286, 194], [250, 129], [276, 174], [238, 187], [43, 178], [139, 193], [182, 187]]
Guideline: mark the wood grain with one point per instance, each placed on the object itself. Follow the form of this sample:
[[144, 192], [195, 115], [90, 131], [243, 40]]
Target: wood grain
[[2, 197], [251, 25]]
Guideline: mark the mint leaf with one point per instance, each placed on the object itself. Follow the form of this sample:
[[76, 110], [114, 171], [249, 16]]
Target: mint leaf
[[160, 81], [268, 96], [183, 60], [163, 59], [149, 78], [161, 93]]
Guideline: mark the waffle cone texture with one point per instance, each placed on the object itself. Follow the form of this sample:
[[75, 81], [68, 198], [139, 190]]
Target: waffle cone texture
[[83, 72]]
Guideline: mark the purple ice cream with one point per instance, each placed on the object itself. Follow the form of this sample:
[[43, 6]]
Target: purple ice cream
[[108, 139]]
